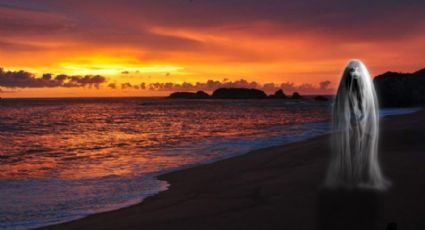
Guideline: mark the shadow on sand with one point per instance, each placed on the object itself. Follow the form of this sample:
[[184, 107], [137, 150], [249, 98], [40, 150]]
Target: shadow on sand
[[347, 209]]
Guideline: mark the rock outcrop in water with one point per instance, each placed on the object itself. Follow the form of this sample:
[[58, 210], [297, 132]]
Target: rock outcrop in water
[[296, 95], [401, 89], [278, 95], [233, 93], [190, 95], [238, 93]]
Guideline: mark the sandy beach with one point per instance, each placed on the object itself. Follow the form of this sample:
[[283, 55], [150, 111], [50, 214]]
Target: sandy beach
[[280, 188]]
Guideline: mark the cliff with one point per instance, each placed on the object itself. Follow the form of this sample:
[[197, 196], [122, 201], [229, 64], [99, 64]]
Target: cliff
[[401, 89]]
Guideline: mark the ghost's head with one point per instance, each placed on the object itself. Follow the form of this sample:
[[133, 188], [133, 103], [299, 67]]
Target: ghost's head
[[353, 77], [356, 91]]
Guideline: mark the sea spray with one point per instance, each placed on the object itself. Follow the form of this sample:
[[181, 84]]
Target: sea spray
[[355, 121]]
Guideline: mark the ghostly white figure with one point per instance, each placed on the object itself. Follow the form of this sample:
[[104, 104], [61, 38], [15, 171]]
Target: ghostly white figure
[[355, 121]]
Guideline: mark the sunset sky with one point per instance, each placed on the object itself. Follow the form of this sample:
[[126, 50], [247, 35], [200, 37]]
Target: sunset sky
[[149, 48]]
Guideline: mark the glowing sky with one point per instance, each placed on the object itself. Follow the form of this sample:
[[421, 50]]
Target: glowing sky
[[158, 41]]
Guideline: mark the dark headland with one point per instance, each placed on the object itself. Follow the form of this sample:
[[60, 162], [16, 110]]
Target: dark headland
[[401, 89]]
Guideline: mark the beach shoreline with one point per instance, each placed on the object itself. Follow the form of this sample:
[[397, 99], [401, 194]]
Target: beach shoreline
[[272, 187]]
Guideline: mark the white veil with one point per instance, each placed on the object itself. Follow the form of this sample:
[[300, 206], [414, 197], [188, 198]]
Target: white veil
[[355, 122]]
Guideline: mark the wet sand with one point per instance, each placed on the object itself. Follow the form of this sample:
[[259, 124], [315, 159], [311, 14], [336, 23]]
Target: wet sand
[[280, 188]]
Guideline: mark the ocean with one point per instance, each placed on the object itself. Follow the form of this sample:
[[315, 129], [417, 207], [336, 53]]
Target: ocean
[[63, 159]]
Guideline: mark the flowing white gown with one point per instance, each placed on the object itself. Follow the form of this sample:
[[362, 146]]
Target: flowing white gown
[[355, 120]]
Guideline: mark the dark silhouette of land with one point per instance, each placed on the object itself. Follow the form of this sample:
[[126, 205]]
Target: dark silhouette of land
[[233, 93], [190, 95], [401, 89], [279, 95], [296, 95], [393, 90], [238, 93], [281, 188]]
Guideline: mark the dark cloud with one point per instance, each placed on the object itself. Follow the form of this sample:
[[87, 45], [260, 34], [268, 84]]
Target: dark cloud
[[126, 85], [24, 79], [27, 21], [143, 85], [324, 84], [87, 80], [56, 23], [18, 47], [131, 86], [211, 85], [359, 19], [129, 22], [112, 85]]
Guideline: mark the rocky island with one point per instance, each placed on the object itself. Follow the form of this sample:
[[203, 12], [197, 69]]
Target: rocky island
[[238, 93], [190, 95], [234, 93]]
